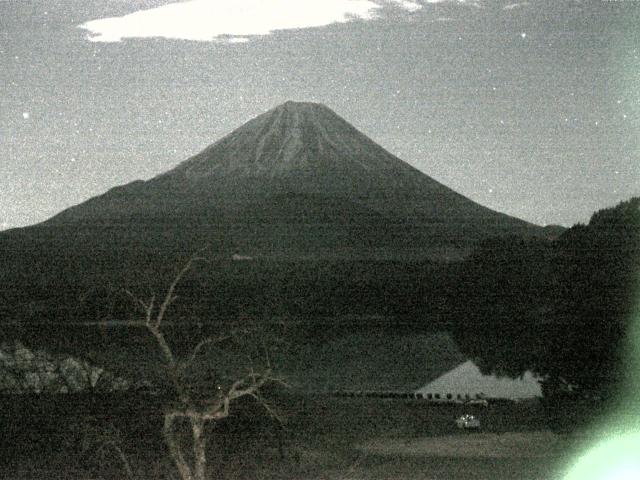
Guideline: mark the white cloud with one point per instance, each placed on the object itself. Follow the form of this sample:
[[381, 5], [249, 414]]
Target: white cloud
[[234, 20], [470, 3], [515, 5], [451, 1], [407, 5]]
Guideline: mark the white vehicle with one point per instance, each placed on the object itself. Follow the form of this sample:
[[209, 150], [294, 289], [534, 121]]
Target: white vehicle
[[478, 401], [468, 422]]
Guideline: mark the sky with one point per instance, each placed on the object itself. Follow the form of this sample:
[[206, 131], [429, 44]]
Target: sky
[[529, 108]]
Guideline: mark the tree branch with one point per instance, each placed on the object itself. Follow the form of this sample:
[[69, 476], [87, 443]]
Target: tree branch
[[203, 343], [121, 455], [170, 297], [147, 308], [270, 410]]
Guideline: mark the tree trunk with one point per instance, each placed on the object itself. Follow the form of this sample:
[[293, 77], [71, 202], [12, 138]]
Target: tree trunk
[[199, 448], [174, 448]]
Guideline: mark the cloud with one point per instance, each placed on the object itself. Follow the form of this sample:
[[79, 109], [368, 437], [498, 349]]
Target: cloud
[[453, 1], [234, 21], [471, 3], [515, 5], [407, 5]]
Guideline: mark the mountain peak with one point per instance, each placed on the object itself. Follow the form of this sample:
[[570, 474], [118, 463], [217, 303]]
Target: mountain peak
[[292, 106], [293, 139], [295, 105], [292, 114], [301, 164]]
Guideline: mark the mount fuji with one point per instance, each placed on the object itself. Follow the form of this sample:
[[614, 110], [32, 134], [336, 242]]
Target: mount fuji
[[298, 181]]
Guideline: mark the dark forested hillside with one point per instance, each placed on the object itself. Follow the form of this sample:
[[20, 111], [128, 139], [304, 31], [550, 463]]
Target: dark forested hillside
[[562, 308]]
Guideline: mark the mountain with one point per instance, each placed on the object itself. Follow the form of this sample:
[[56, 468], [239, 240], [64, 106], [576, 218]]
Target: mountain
[[300, 181], [328, 223]]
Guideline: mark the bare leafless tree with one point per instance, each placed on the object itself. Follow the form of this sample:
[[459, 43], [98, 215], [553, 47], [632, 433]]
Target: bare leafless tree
[[196, 411]]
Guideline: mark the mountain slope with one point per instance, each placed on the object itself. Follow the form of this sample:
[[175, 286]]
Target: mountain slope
[[297, 180], [334, 223]]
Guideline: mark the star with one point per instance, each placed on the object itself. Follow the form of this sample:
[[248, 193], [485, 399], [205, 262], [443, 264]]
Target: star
[[523, 35], [26, 115]]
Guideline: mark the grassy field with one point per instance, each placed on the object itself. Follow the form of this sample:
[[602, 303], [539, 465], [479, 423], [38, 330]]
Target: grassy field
[[323, 437]]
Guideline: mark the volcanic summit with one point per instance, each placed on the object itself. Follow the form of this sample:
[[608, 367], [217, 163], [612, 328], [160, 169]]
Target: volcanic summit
[[300, 180]]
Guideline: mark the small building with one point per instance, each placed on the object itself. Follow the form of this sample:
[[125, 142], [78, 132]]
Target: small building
[[466, 382]]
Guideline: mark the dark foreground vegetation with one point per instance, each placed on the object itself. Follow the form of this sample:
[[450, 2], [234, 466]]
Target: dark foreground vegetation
[[79, 437], [562, 308]]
